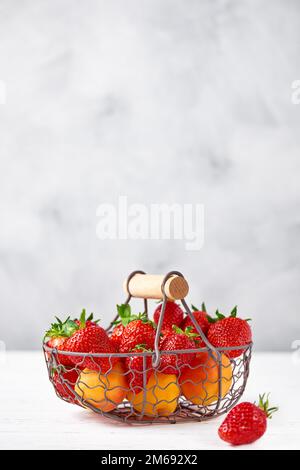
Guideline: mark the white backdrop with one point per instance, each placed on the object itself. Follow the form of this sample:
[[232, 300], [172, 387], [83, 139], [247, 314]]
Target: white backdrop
[[162, 101]]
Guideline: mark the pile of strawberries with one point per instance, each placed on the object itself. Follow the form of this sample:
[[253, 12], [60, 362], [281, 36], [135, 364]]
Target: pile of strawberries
[[136, 333], [178, 332]]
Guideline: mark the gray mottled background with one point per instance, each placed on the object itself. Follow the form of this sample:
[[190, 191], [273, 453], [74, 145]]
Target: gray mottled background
[[161, 101]]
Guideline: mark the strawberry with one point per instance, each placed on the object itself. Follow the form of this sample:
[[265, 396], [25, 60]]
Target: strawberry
[[229, 331], [202, 319], [81, 336], [179, 339], [138, 331], [92, 339], [246, 422], [173, 315], [57, 335], [137, 366], [168, 330], [125, 317], [116, 335], [62, 379]]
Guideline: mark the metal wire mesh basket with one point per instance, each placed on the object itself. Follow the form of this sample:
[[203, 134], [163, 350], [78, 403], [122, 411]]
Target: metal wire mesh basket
[[204, 382]]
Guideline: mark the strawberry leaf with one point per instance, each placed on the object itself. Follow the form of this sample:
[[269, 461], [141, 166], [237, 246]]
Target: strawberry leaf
[[124, 312], [263, 404], [61, 329], [233, 312], [196, 309], [141, 348], [219, 315], [82, 320], [187, 332]]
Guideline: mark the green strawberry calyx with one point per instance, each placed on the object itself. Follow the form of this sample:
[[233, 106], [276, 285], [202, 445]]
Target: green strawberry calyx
[[126, 316], [58, 370], [196, 309], [83, 321], [68, 327], [263, 404], [141, 348], [219, 316], [187, 332], [61, 329]]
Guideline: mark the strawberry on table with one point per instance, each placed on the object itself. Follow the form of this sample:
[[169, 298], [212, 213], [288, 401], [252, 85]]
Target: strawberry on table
[[230, 331], [179, 339], [138, 366], [173, 315], [246, 422]]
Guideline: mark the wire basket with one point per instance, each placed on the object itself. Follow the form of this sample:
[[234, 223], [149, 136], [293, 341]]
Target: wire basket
[[202, 383]]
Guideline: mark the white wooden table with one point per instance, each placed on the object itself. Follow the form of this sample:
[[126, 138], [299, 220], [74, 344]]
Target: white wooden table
[[32, 417]]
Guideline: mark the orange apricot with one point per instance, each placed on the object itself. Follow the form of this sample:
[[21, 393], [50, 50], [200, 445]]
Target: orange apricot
[[200, 382]]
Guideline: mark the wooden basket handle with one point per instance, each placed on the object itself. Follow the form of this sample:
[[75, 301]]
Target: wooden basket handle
[[154, 286]]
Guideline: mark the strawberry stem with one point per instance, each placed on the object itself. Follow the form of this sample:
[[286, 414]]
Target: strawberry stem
[[141, 348], [61, 329], [196, 309], [263, 404], [126, 316], [124, 312], [233, 312], [68, 327], [219, 316], [187, 332]]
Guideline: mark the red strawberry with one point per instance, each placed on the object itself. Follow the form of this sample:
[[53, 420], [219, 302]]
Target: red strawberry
[[139, 331], [230, 331], [137, 367], [202, 319], [167, 331], [173, 315], [58, 334], [91, 339], [172, 363], [125, 317], [82, 337], [246, 422], [62, 379], [116, 335]]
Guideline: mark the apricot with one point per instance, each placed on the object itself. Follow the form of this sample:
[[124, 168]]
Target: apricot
[[160, 397], [104, 391], [199, 383]]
